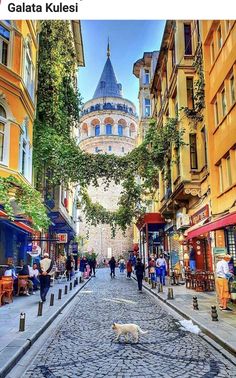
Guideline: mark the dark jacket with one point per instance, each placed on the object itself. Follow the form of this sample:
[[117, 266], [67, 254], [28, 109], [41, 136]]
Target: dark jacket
[[139, 268], [82, 265], [24, 271], [112, 263]]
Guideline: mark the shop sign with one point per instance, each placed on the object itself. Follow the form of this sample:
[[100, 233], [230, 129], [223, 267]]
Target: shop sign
[[219, 251], [201, 214], [62, 238], [182, 220]]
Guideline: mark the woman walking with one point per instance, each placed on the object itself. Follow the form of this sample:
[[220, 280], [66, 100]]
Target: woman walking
[[112, 264], [129, 268], [139, 269]]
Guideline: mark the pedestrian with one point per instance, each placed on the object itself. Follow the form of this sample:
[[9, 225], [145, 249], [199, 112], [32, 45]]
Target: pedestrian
[[112, 264], [70, 263], [34, 276], [152, 269], [93, 264], [45, 267], [162, 268], [122, 265], [139, 269], [129, 268], [82, 265], [222, 284]]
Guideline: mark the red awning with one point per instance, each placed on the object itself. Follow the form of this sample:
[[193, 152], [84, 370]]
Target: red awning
[[21, 225], [150, 218], [217, 224]]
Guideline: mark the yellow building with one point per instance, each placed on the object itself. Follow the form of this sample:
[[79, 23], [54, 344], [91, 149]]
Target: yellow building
[[184, 186], [18, 57], [219, 50]]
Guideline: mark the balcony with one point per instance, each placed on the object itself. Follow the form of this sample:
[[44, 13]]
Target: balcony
[[109, 106]]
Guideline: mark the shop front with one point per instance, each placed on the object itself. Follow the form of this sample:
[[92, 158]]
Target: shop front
[[151, 240]]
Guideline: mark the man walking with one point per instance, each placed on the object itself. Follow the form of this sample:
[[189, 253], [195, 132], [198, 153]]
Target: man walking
[[45, 268], [222, 285], [139, 269]]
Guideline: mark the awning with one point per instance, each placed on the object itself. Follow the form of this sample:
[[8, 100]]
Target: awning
[[17, 224], [196, 226], [150, 218], [216, 224]]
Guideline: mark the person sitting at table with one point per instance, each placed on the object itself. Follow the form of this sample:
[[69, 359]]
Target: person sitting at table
[[34, 276], [11, 272], [25, 271]]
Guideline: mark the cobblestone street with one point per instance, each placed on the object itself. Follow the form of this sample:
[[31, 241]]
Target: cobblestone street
[[83, 344]]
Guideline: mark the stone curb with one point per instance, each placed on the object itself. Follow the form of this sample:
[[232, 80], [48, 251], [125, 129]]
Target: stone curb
[[216, 341], [12, 353]]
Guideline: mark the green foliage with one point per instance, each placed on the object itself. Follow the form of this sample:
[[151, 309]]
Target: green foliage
[[27, 198], [57, 157]]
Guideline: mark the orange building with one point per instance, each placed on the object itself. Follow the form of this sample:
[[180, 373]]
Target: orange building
[[18, 57]]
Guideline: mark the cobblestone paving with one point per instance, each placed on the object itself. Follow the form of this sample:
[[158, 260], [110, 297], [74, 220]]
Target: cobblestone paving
[[83, 345]]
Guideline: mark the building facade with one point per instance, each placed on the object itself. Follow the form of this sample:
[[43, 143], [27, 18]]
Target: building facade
[[108, 124], [18, 59]]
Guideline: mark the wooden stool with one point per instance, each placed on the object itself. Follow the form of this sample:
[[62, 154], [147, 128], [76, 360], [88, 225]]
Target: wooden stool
[[23, 284], [7, 288]]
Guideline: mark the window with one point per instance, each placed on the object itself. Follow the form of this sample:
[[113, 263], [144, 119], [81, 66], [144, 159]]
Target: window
[[223, 102], [216, 113], [190, 94], [193, 151], [120, 130], [109, 148], [97, 130], [108, 129], [122, 149], [29, 70], [221, 178], [147, 110], [96, 149], [204, 142], [212, 52], [232, 89], [4, 42], [25, 153], [187, 39], [229, 173], [146, 77], [219, 37], [3, 121], [231, 241]]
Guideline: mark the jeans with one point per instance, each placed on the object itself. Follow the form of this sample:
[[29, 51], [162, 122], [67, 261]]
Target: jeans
[[153, 277], [36, 283], [112, 271], [44, 286], [140, 281], [162, 275], [128, 274]]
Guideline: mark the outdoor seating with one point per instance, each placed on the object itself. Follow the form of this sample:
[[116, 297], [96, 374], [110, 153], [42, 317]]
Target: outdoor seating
[[6, 290], [23, 285], [61, 276], [200, 280]]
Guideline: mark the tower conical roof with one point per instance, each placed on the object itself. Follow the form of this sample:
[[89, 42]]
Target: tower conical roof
[[107, 85]]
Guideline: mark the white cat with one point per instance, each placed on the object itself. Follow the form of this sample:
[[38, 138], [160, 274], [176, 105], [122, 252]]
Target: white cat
[[125, 329]]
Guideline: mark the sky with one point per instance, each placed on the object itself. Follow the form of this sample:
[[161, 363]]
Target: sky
[[128, 41]]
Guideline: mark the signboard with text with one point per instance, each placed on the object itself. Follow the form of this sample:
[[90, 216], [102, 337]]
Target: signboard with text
[[62, 238]]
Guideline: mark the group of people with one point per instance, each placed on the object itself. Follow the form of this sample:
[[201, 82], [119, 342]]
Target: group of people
[[158, 268], [88, 266]]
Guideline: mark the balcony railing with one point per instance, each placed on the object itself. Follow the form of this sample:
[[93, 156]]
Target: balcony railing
[[109, 106]]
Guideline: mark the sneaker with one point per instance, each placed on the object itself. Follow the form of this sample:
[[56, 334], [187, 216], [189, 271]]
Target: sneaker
[[33, 293], [226, 309]]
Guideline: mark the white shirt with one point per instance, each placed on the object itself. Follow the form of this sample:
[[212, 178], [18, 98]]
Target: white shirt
[[222, 268], [160, 262]]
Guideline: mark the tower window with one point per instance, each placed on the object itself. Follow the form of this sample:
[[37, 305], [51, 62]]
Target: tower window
[[109, 148], [97, 130], [122, 149], [120, 130], [108, 129]]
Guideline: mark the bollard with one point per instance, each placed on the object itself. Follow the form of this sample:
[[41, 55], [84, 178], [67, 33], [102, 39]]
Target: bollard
[[160, 288], [22, 322], [149, 281], [153, 284], [74, 283], [66, 289], [146, 279], [170, 294], [71, 285], [40, 308], [195, 303], [81, 279], [59, 293], [214, 315], [52, 300]]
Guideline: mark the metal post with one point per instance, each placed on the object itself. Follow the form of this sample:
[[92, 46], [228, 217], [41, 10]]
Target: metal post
[[71, 285], [214, 315], [160, 288], [66, 289], [170, 294], [22, 322], [59, 293], [153, 284], [40, 308], [52, 300], [195, 303], [74, 283]]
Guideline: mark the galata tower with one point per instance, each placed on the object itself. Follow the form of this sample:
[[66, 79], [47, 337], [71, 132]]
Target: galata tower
[[108, 125]]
